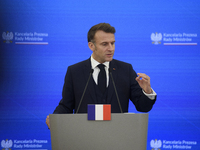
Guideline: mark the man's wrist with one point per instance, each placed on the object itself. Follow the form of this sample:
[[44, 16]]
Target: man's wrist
[[151, 96]]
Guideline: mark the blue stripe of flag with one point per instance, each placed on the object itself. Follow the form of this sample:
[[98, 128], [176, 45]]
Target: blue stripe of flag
[[91, 112]]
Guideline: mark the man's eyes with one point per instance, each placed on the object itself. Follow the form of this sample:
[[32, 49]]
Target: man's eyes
[[105, 44]]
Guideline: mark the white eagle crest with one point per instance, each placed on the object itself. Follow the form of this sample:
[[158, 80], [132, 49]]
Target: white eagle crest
[[156, 144], [156, 38], [6, 144], [7, 36]]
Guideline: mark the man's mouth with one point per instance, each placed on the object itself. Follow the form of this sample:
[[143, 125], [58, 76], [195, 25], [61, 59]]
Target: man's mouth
[[109, 54]]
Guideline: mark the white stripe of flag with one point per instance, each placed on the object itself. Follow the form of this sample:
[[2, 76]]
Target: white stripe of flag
[[98, 112]]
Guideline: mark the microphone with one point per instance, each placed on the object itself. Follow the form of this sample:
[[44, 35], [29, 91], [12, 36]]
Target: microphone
[[110, 71], [91, 71]]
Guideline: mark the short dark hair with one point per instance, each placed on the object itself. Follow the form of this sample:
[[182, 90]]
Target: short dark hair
[[106, 27]]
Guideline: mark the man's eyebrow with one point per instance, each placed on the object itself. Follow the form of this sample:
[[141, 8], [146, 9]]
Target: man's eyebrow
[[107, 42], [104, 42]]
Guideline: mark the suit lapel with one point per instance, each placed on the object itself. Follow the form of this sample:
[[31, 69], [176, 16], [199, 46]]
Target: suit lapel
[[90, 87], [114, 71]]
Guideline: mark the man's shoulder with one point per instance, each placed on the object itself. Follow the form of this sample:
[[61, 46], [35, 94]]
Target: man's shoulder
[[80, 64], [119, 62], [122, 67]]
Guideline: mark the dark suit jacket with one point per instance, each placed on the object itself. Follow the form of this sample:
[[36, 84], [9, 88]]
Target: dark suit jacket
[[126, 85]]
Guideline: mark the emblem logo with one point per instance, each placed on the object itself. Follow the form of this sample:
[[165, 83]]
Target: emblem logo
[[6, 144], [7, 37], [156, 38], [156, 144]]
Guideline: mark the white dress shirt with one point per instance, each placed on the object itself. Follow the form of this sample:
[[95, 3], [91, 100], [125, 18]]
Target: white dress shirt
[[95, 74]]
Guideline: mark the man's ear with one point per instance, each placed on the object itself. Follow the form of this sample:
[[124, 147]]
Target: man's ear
[[91, 46]]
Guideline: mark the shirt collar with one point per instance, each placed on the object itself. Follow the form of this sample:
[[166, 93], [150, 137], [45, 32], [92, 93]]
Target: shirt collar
[[94, 63]]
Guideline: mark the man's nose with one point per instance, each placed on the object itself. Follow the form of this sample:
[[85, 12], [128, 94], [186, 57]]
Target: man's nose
[[111, 46]]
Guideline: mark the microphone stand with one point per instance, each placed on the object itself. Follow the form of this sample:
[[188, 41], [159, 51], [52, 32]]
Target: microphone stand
[[110, 71], [91, 71]]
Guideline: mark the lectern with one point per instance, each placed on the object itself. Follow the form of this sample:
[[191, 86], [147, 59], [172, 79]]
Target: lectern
[[74, 132]]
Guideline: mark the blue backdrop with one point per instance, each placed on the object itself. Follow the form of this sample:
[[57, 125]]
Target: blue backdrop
[[40, 39]]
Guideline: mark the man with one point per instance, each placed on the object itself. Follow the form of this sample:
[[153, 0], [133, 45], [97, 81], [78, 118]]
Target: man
[[129, 85]]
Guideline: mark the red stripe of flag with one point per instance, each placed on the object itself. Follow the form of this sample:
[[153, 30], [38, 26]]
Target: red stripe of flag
[[106, 112]]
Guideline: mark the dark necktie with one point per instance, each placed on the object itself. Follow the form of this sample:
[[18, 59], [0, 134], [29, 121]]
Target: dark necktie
[[102, 78]]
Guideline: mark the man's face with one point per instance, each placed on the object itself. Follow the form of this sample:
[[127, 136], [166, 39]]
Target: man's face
[[104, 46]]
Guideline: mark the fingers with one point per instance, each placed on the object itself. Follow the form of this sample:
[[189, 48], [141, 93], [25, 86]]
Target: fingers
[[143, 76], [144, 82], [47, 122]]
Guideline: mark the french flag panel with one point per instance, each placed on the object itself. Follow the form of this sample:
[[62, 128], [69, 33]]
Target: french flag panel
[[99, 112]]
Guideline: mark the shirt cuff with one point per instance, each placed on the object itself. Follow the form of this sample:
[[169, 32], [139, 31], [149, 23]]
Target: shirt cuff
[[151, 96]]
